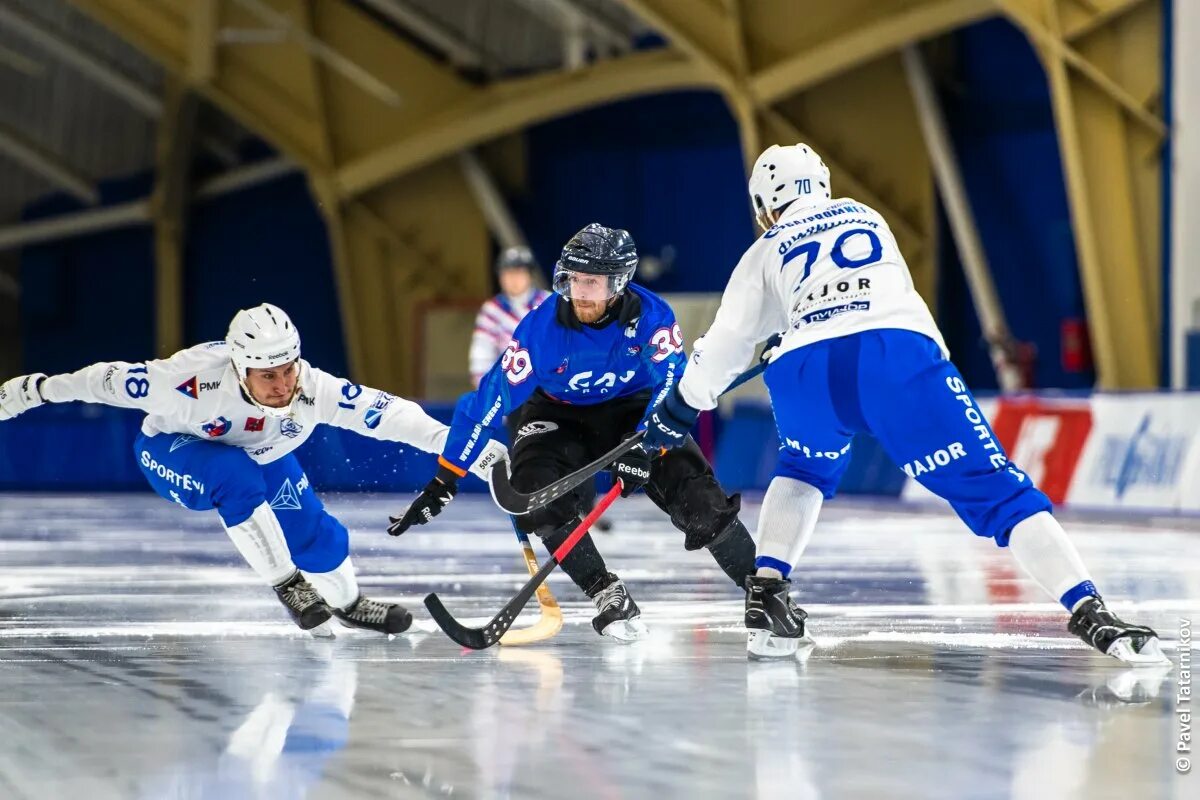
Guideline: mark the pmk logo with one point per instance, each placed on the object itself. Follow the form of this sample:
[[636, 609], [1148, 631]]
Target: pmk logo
[[190, 387], [193, 387]]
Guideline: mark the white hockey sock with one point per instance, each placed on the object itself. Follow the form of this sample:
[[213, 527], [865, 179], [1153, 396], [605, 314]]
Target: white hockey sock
[[785, 524], [260, 541], [1041, 547], [339, 587]]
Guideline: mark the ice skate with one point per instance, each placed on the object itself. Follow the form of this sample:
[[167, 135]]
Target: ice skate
[[372, 615], [619, 616], [304, 604], [1108, 633], [776, 624]]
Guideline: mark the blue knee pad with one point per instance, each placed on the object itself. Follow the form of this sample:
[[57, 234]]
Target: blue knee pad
[[317, 540], [201, 475]]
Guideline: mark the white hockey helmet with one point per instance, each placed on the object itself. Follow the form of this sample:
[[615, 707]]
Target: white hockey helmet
[[261, 338], [785, 174]]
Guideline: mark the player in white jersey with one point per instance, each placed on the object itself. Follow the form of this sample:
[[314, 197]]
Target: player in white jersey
[[860, 352], [222, 422], [499, 316]]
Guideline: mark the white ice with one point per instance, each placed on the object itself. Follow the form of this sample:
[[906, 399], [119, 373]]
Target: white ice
[[139, 659]]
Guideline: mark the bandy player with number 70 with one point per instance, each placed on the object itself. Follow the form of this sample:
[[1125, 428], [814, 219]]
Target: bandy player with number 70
[[860, 353], [578, 376]]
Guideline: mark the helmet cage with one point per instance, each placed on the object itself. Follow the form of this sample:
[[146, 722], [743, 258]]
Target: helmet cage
[[565, 278]]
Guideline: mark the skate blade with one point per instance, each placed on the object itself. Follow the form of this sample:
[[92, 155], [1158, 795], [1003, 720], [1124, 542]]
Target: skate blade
[[765, 646], [322, 631], [626, 630], [1151, 655]]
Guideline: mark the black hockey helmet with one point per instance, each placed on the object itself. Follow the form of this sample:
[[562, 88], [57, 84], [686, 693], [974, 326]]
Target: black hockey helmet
[[597, 250], [518, 257]]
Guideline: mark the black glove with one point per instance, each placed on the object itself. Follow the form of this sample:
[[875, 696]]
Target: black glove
[[633, 470], [436, 495]]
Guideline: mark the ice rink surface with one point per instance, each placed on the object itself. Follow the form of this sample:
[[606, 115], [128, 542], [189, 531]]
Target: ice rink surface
[[140, 659]]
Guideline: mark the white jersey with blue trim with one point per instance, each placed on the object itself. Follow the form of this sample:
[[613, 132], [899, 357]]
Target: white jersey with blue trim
[[495, 325], [196, 393], [822, 271]]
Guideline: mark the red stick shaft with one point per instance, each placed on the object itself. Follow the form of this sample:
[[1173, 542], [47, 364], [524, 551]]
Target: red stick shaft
[[588, 521]]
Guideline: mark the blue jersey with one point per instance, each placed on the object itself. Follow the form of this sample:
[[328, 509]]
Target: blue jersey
[[641, 350]]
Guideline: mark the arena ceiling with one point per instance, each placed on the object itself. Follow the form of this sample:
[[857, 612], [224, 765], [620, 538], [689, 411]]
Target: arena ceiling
[[376, 99]]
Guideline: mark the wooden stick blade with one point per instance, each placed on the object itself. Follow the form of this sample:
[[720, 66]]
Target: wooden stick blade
[[551, 621]]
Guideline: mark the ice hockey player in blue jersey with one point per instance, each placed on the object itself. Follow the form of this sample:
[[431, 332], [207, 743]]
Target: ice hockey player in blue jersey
[[861, 352], [223, 422], [577, 378]]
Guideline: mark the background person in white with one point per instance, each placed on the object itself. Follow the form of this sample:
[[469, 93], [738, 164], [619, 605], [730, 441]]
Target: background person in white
[[860, 352], [223, 420], [499, 316]]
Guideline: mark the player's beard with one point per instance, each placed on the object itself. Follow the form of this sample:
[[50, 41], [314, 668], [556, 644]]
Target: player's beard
[[588, 311]]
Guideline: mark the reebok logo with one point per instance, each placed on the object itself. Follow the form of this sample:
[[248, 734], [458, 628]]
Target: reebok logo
[[633, 471]]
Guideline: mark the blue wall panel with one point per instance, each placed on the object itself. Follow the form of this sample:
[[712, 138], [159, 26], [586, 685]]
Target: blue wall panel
[[1001, 121], [265, 244], [88, 299], [92, 298], [667, 168]]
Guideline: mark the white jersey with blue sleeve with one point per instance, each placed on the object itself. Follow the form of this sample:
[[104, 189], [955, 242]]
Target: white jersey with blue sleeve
[[822, 271], [196, 392]]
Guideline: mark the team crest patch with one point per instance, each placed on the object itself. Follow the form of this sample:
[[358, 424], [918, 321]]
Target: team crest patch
[[290, 428], [190, 387]]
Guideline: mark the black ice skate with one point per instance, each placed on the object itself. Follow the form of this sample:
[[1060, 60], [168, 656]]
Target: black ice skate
[[619, 616], [776, 624], [373, 615], [305, 605], [1108, 633]]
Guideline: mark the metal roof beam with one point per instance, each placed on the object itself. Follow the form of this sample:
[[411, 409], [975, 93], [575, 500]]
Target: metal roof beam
[[131, 91], [34, 158], [516, 104], [456, 49]]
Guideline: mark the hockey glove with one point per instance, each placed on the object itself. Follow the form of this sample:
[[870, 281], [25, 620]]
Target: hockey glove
[[633, 470], [20, 394], [436, 495], [668, 423]]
